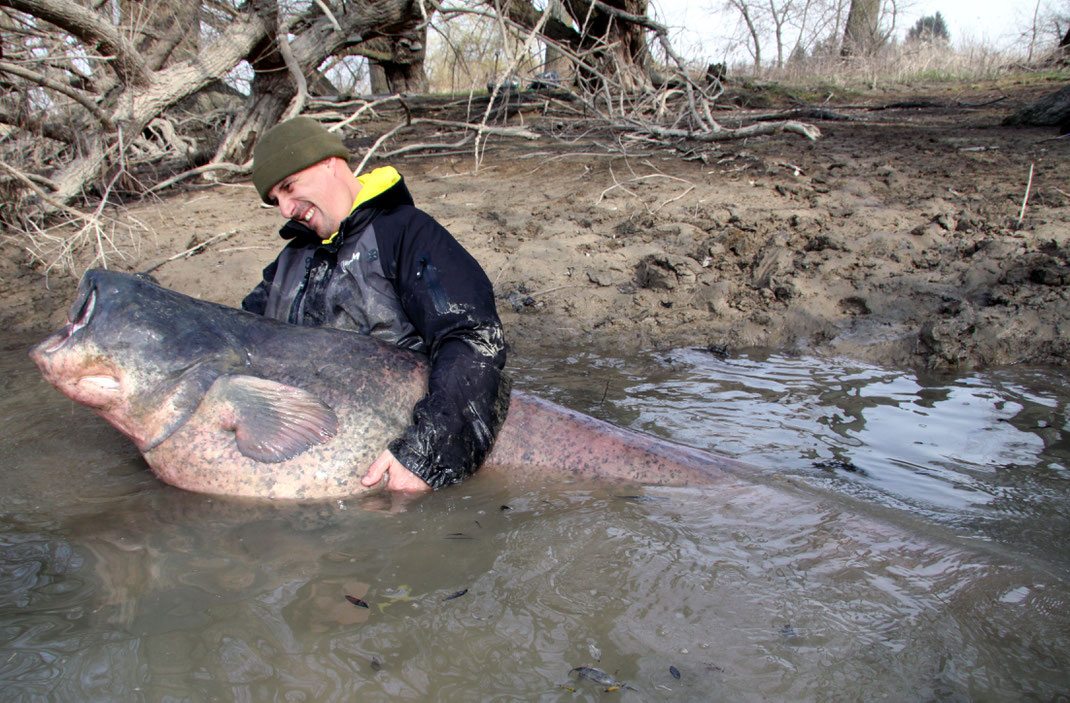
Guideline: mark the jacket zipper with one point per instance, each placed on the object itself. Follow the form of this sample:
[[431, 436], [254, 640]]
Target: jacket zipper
[[299, 297]]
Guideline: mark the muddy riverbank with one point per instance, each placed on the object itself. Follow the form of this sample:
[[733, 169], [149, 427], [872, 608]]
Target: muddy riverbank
[[894, 238]]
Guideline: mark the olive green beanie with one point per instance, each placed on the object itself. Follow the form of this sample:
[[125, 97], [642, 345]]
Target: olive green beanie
[[289, 147]]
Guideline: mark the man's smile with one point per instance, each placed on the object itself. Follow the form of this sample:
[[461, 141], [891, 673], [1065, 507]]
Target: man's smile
[[304, 216]]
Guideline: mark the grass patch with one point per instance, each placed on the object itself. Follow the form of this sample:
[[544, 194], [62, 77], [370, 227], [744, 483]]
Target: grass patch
[[904, 66]]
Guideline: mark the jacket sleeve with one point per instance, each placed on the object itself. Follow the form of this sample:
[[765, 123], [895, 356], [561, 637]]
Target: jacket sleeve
[[257, 300], [450, 301]]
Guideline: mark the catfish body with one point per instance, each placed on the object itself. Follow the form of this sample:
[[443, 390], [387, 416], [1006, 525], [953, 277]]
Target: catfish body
[[222, 401]]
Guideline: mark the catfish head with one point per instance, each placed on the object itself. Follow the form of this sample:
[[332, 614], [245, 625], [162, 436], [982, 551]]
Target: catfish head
[[139, 355]]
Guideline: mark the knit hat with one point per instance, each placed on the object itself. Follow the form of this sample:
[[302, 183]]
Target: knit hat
[[289, 147]]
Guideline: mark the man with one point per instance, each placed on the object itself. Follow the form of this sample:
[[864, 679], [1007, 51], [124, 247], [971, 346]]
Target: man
[[362, 257]]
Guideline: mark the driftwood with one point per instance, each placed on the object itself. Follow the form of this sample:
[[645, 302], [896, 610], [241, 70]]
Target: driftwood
[[1050, 110]]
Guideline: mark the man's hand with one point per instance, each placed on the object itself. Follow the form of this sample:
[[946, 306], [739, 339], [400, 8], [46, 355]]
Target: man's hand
[[401, 479]]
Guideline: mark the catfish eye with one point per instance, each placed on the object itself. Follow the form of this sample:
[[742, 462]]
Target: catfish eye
[[85, 313]]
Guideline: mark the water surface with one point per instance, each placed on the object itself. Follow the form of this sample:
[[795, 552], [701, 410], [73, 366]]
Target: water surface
[[903, 537]]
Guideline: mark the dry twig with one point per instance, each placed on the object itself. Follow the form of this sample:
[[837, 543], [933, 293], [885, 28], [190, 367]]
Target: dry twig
[[1025, 198], [193, 250]]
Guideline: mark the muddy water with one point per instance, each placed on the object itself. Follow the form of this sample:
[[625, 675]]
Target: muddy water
[[902, 537]]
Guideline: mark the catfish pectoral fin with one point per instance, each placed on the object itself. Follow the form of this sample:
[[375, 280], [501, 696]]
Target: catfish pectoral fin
[[271, 421]]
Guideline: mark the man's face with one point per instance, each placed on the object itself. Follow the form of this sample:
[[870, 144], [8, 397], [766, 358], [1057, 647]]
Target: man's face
[[319, 197]]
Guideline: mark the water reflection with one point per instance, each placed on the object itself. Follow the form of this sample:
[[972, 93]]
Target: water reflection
[[114, 587], [982, 451]]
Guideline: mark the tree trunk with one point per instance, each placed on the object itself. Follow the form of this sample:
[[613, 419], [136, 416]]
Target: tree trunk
[[396, 62], [861, 36], [620, 46], [754, 35], [274, 86], [616, 47], [555, 60], [377, 77], [271, 92]]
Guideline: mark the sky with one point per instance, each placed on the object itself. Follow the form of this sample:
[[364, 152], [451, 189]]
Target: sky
[[699, 33]]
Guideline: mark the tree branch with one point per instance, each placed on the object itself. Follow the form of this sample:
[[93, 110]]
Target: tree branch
[[46, 82], [91, 28], [53, 130]]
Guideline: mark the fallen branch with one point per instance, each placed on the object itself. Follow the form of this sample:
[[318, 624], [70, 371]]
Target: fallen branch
[[359, 111], [378, 142], [432, 146], [555, 288], [724, 134], [488, 129], [193, 250], [641, 178], [219, 166], [810, 113], [42, 194]]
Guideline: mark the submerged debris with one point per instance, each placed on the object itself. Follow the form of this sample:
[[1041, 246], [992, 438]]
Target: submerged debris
[[718, 350], [840, 464], [600, 677]]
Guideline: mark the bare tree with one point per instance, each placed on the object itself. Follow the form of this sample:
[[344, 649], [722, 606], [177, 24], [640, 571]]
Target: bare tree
[[1048, 27], [780, 14], [99, 89], [98, 97], [610, 35], [793, 27], [751, 22]]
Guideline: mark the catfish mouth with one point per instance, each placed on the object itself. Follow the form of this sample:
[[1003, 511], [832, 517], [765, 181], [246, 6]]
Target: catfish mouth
[[85, 378], [76, 323]]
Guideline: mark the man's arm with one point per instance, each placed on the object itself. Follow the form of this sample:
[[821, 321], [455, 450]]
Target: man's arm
[[450, 301]]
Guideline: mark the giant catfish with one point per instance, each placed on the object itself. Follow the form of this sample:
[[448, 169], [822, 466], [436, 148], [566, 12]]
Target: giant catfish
[[222, 401]]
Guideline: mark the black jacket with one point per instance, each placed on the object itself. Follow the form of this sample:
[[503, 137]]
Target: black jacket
[[396, 274]]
